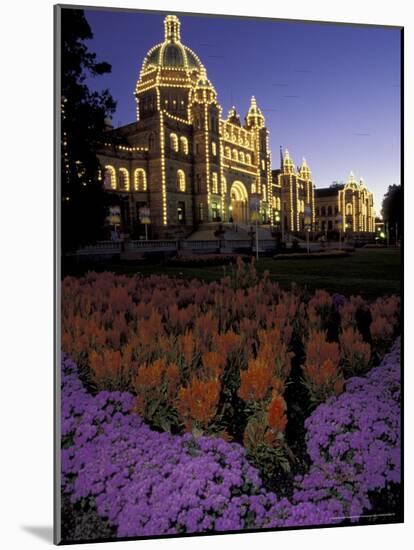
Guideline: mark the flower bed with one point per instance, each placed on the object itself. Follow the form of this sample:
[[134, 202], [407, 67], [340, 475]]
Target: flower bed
[[149, 483], [237, 358]]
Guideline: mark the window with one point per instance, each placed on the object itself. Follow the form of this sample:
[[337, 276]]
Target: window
[[174, 142], [330, 225], [235, 154], [242, 157], [263, 165], [223, 185], [336, 210], [253, 188], [184, 145], [213, 148], [277, 203], [264, 192], [215, 211], [215, 182], [329, 210], [140, 180], [180, 180], [198, 183], [110, 177], [181, 212], [228, 151], [123, 179], [349, 209], [248, 158], [317, 211]]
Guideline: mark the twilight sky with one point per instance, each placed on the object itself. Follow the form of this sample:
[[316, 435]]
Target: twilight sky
[[329, 93]]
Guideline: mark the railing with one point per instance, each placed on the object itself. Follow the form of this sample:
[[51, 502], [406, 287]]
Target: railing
[[164, 245], [101, 247], [118, 247], [200, 245]]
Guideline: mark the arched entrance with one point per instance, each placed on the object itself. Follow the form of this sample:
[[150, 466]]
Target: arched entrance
[[239, 207]]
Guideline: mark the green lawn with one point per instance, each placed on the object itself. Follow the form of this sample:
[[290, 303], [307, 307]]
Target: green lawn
[[369, 272]]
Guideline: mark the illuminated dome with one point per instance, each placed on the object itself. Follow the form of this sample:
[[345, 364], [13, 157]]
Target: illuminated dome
[[171, 53]]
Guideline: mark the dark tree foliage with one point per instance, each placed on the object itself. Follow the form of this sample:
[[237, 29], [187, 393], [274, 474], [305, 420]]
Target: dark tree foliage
[[392, 210], [83, 114]]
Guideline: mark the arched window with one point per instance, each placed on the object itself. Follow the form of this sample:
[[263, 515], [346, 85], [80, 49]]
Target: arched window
[[110, 177], [213, 148], [123, 179], [223, 185], [248, 158], [140, 180], [184, 145], [214, 182], [228, 151], [242, 158], [174, 142], [235, 154], [277, 203], [349, 209], [180, 180]]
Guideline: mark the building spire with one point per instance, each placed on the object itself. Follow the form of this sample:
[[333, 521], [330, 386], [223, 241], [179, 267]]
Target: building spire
[[172, 28]]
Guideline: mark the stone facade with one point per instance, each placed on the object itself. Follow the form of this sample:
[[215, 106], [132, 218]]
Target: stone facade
[[187, 165], [182, 159], [348, 208]]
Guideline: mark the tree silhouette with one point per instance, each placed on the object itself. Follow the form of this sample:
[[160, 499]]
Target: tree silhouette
[[83, 114], [392, 210]]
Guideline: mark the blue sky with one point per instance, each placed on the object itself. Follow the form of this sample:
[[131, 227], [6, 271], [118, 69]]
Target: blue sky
[[329, 93]]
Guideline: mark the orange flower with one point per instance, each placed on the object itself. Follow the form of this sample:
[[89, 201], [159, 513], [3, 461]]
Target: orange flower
[[213, 364], [356, 353], [256, 381], [276, 413], [197, 403]]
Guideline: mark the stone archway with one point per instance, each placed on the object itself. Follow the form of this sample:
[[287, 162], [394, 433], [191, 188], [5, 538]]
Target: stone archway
[[239, 202]]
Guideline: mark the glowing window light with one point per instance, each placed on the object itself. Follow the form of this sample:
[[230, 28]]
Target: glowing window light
[[248, 158], [242, 157], [227, 152], [224, 185], [140, 180], [184, 145], [110, 177], [213, 148], [174, 142], [123, 179], [235, 154], [214, 180], [181, 180]]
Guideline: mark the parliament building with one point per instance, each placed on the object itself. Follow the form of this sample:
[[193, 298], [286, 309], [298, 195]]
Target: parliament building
[[185, 165]]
